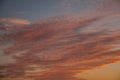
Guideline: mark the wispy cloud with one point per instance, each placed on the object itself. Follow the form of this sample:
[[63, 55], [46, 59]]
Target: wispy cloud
[[63, 51], [14, 21]]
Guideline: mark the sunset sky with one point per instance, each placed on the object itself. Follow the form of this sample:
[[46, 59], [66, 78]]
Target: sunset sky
[[60, 39]]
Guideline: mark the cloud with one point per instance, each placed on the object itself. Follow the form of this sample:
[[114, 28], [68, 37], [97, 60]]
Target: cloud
[[14, 21], [63, 51], [10, 25], [60, 47]]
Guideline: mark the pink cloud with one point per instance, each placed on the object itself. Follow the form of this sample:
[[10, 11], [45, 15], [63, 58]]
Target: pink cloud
[[60, 50], [14, 21]]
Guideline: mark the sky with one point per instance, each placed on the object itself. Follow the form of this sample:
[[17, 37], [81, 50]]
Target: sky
[[34, 10], [29, 9], [59, 39]]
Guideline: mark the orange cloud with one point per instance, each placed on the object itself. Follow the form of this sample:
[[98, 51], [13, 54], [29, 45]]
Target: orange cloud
[[59, 50], [14, 21]]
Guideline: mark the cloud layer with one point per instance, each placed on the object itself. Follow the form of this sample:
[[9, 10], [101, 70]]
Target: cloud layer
[[58, 48]]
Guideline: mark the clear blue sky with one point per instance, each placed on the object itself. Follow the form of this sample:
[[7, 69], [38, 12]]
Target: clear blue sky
[[29, 9]]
